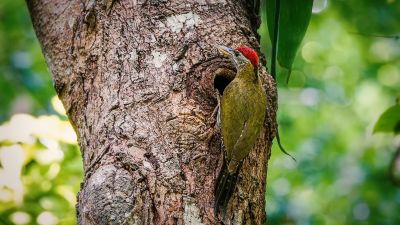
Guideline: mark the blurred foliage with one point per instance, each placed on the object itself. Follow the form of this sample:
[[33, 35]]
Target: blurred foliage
[[343, 79], [25, 82], [40, 170], [40, 163]]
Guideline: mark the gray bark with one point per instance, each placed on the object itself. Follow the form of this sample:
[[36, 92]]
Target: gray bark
[[137, 81]]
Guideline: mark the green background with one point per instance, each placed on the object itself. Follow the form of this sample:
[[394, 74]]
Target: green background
[[340, 84]]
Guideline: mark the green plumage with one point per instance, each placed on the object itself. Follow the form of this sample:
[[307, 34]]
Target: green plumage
[[243, 106]]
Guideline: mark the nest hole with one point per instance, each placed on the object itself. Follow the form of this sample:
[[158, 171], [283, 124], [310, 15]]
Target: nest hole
[[222, 78]]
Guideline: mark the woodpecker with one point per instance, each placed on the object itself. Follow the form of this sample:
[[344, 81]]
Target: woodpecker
[[243, 106]]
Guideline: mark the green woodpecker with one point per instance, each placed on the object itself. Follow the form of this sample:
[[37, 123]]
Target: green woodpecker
[[243, 106]]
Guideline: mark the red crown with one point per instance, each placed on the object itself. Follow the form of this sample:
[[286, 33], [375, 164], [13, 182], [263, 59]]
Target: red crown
[[250, 54]]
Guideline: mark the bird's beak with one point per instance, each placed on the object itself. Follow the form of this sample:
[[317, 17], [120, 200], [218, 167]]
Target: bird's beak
[[227, 53]]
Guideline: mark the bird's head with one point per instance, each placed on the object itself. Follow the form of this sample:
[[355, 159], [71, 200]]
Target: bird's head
[[240, 57]]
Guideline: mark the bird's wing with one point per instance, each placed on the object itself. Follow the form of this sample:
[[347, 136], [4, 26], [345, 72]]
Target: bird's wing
[[234, 113], [253, 116]]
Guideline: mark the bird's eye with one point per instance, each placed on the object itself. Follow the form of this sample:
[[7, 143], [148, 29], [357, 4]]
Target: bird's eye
[[236, 53]]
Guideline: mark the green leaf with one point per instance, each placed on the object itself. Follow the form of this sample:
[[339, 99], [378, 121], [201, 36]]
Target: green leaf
[[389, 121], [292, 22]]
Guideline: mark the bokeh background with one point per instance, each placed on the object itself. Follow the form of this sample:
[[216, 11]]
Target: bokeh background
[[347, 72]]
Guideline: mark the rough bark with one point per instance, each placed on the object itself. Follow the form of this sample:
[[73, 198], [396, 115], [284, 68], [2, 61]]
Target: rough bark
[[137, 81]]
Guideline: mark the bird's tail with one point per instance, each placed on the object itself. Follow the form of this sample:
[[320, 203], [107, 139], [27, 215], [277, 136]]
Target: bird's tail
[[225, 186]]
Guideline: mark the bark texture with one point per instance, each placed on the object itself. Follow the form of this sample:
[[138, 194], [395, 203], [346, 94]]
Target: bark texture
[[137, 80]]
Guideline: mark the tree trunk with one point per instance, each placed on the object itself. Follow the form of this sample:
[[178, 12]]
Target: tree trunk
[[137, 81]]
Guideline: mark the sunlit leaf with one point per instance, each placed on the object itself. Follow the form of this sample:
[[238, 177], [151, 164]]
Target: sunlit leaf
[[11, 161], [25, 128], [389, 121], [57, 105]]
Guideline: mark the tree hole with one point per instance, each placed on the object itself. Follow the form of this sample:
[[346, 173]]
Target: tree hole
[[223, 77]]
